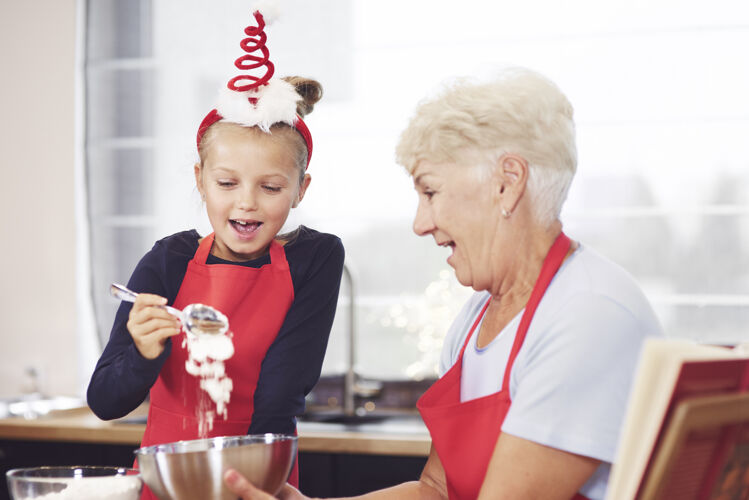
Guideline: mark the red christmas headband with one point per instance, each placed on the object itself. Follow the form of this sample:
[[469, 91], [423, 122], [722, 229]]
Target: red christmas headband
[[263, 101]]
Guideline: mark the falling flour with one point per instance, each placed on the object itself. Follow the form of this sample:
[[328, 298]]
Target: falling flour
[[206, 356], [92, 488]]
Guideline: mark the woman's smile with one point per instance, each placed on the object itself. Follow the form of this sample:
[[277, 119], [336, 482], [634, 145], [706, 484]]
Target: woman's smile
[[447, 244]]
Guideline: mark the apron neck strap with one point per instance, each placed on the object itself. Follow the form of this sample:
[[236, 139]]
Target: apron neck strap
[[201, 255], [551, 265], [277, 254]]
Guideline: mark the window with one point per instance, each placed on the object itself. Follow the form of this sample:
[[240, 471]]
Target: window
[[120, 73], [659, 96]]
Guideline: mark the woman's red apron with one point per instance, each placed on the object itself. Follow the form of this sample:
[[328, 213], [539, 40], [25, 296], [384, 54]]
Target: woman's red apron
[[464, 434], [256, 301]]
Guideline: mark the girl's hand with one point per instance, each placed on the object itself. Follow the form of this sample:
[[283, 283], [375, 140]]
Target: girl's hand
[[150, 325], [246, 491]]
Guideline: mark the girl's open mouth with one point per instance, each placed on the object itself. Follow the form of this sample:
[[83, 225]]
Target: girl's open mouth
[[245, 228]]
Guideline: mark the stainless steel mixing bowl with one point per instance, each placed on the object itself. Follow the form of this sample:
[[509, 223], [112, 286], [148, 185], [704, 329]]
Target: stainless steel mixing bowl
[[188, 470], [74, 483]]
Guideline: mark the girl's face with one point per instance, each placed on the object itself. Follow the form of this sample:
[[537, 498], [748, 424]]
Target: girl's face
[[249, 182]]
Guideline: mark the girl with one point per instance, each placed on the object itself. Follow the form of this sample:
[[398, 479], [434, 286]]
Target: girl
[[279, 292]]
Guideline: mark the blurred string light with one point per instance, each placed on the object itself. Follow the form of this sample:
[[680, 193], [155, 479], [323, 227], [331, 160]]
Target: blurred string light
[[424, 320]]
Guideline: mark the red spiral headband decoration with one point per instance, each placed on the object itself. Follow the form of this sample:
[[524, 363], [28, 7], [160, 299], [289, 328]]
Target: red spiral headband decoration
[[255, 41]]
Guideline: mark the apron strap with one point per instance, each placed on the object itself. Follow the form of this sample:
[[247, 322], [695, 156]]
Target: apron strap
[[277, 253], [201, 255], [278, 256], [551, 265]]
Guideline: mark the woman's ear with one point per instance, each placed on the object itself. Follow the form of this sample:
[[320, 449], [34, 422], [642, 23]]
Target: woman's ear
[[512, 170], [199, 180], [302, 189]]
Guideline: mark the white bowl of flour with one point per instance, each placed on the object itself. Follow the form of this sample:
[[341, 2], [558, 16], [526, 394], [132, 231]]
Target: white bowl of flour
[[74, 483]]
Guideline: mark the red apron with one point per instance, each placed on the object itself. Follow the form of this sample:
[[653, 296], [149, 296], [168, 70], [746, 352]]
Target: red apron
[[255, 300], [464, 434]]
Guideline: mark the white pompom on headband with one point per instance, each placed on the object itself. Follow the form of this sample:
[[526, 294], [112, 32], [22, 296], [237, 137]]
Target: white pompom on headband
[[275, 103]]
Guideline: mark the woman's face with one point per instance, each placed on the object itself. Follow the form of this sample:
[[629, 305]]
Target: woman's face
[[249, 182], [457, 209]]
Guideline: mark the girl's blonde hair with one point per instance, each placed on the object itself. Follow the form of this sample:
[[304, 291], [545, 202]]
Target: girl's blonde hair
[[311, 92]]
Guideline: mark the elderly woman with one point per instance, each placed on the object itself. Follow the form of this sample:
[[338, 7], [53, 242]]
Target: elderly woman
[[537, 367]]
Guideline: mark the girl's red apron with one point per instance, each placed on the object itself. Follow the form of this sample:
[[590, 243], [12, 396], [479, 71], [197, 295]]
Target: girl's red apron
[[256, 301], [464, 434]]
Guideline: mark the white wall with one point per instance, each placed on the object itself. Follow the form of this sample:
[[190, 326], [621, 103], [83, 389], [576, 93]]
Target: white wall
[[37, 281]]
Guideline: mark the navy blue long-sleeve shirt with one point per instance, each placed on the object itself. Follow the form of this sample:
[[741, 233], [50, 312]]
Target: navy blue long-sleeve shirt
[[291, 367]]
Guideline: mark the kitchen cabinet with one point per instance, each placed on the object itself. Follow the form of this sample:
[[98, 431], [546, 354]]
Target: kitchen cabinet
[[340, 474]]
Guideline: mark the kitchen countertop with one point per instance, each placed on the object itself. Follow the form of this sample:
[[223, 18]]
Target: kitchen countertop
[[404, 436]]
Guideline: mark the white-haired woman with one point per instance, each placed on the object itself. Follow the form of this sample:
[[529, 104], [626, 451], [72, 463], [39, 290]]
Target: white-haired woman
[[537, 367]]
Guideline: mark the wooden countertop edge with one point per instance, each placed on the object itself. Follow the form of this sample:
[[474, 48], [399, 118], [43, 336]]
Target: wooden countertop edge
[[82, 427], [71, 430], [365, 443]]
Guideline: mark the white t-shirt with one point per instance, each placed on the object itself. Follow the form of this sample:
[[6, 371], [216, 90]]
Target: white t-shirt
[[571, 379]]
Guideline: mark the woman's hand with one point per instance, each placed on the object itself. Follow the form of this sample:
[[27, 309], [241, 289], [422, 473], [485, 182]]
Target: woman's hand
[[150, 325], [246, 491]]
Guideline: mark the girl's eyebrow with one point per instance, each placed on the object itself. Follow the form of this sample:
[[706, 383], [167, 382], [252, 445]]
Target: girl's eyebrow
[[223, 169], [230, 171], [273, 174]]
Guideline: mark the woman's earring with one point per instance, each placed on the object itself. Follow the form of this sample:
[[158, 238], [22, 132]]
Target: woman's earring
[[505, 213]]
